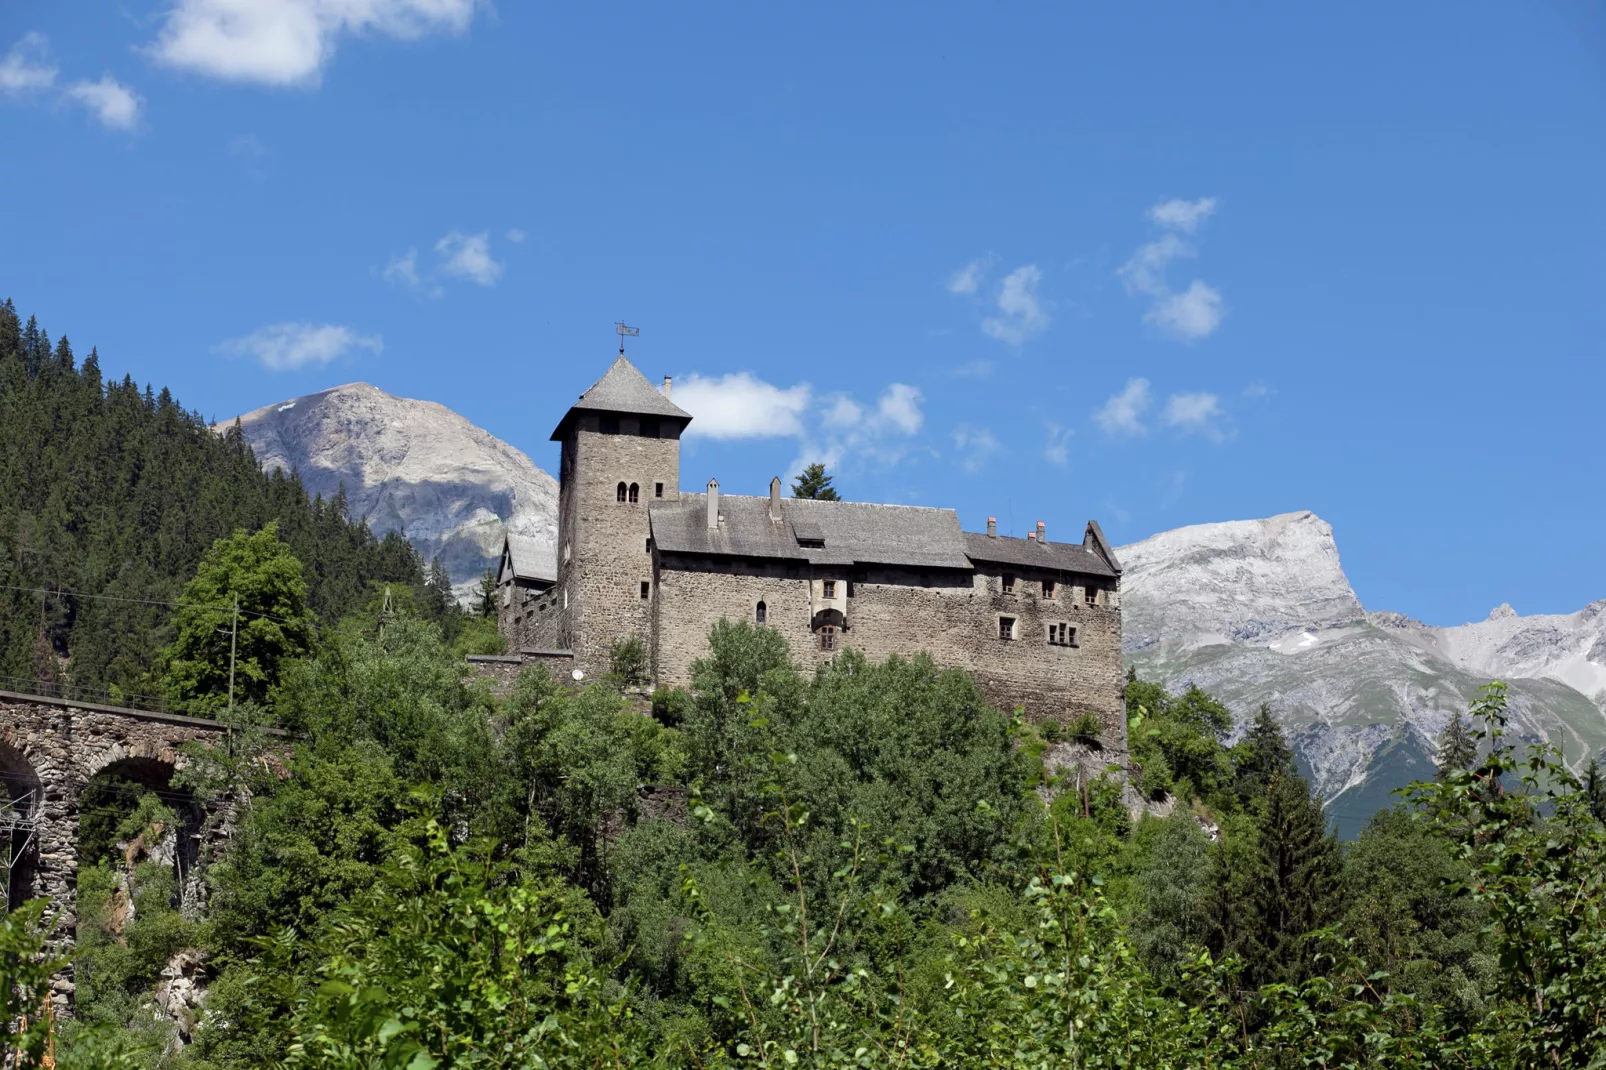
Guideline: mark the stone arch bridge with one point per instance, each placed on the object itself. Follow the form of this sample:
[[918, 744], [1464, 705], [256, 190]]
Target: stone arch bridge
[[50, 750]]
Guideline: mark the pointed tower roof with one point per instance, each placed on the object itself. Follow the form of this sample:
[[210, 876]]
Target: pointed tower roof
[[622, 390]]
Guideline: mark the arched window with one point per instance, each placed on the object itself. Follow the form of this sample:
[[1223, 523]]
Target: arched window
[[620, 493], [635, 493], [760, 613]]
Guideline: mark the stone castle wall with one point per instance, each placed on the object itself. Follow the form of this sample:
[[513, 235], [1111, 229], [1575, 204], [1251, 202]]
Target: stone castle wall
[[604, 557], [954, 616]]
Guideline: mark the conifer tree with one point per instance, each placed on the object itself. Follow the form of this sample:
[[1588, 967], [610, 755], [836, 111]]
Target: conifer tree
[[814, 483], [1263, 754], [1300, 864], [487, 602], [1457, 748]]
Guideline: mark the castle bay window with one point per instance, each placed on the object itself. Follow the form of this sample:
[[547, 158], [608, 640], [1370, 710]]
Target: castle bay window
[[1006, 627]]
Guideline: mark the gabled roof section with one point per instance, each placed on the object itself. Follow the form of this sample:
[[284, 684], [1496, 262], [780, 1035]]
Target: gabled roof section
[[819, 532], [1029, 553], [530, 559], [624, 390]]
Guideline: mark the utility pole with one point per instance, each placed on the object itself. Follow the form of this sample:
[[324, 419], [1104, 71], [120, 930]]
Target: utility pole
[[234, 634]]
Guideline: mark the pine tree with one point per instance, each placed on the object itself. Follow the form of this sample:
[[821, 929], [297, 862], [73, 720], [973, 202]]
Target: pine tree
[[1457, 749], [1300, 865], [487, 602], [1263, 754], [814, 483]]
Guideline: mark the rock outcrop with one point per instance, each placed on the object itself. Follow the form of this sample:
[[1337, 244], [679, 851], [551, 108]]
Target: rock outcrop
[[1261, 611], [414, 467]]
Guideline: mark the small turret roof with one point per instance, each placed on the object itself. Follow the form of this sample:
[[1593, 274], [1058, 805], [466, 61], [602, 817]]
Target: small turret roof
[[623, 389]]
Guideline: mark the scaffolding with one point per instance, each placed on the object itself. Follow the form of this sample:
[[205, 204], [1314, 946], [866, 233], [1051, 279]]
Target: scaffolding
[[19, 826]]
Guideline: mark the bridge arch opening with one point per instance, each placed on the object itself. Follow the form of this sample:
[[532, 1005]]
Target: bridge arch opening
[[19, 825]]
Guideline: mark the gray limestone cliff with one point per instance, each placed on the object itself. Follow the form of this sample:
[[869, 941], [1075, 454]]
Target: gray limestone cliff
[[1261, 611], [415, 467]]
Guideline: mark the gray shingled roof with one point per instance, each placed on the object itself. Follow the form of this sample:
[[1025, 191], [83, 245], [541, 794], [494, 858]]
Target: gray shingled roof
[[854, 532], [623, 389], [531, 559], [1028, 553]]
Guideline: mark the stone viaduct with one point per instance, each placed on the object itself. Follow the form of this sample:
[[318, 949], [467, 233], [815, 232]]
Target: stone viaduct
[[50, 750]]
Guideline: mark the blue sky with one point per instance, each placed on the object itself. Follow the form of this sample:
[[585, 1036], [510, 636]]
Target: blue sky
[[1153, 264]]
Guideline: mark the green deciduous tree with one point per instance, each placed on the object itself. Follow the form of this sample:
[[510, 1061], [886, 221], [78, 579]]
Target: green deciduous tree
[[214, 647]]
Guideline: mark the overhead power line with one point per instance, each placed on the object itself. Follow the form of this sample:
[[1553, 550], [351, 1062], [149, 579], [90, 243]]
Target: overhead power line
[[139, 601]]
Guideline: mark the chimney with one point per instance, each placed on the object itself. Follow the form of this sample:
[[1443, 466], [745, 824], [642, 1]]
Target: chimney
[[775, 499], [1031, 536], [992, 527], [667, 381], [1042, 535], [713, 505]]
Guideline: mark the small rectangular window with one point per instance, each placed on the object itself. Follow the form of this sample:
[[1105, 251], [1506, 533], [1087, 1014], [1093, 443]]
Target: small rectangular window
[[1048, 588], [850, 588], [1070, 635], [828, 637], [830, 588], [657, 490], [1091, 593], [649, 546], [1009, 584], [646, 588], [1006, 627]]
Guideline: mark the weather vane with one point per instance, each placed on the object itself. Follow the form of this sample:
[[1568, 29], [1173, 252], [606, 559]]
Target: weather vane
[[625, 332]]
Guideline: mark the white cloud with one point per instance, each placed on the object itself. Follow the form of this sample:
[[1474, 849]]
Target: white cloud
[[108, 100], [290, 346], [976, 369], [469, 256], [1144, 273], [1257, 390], [1190, 314], [967, 280], [1193, 313], [1123, 413], [516, 236], [842, 413], [403, 270], [975, 445], [27, 68], [899, 406], [289, 42], [1183, 215], [1021, 313], [1058, 448], [741, 406], [1193, 413]]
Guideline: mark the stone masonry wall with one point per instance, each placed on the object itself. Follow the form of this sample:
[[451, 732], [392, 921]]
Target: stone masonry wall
[[59, 746], [606, 539], [952, 615]]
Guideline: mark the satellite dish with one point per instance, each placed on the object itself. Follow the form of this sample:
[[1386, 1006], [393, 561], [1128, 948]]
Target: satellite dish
[[578, 675]]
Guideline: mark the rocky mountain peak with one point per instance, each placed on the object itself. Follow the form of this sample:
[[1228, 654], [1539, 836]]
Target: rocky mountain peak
[[410, 466], [1237, 580]]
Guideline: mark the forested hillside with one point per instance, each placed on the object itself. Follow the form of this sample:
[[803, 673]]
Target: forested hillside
[[111, 490]]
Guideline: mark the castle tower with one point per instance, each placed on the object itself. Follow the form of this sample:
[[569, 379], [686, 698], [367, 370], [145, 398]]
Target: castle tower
[[621, 451]]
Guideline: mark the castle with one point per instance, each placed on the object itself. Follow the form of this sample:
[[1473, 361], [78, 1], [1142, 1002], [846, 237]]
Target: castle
[[1038, 623]]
